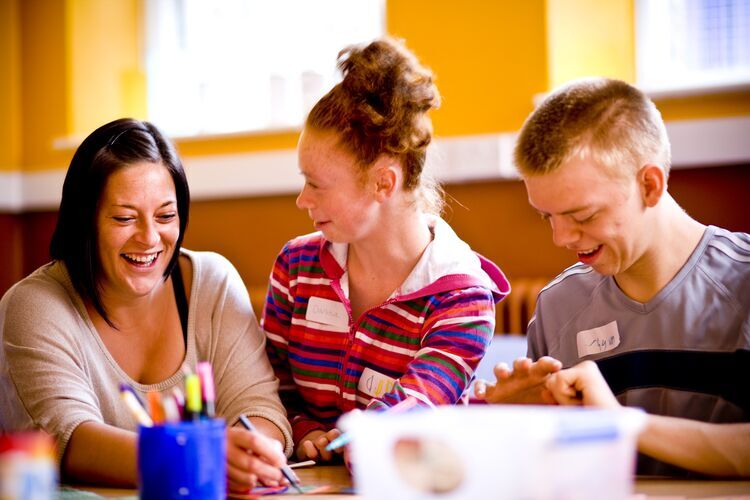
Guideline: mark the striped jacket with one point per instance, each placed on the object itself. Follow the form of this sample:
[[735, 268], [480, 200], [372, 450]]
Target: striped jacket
[[425, 341]]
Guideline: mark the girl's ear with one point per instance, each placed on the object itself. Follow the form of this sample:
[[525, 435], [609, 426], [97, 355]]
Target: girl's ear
[[387, 177], [652, 182]]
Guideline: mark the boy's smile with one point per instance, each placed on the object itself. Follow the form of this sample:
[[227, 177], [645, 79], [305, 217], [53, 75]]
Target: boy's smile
[[593, 213]]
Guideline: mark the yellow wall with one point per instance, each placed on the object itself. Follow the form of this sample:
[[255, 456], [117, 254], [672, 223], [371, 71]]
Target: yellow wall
[[80, 67], [489, 56], [590, 38], [104, 65], [44, 98], [10, 86]]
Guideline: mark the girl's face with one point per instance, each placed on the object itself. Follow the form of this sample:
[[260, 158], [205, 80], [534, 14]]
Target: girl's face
[[137, 229], [337, 200]]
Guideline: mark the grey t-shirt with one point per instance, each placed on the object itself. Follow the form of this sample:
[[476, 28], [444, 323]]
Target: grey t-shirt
[[685, 353], [56, 372]]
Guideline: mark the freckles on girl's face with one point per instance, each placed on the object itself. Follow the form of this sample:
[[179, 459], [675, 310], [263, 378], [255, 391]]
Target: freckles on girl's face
[[336, 200]]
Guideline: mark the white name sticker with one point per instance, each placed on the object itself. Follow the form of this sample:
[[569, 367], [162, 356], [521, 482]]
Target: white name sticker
[[600, 339], [328, 312], [375, 384]]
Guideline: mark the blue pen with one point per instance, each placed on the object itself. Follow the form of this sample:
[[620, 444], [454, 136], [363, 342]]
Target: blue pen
[[340, 441]]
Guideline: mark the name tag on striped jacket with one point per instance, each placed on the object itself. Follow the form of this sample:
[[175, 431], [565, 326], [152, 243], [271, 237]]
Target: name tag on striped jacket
[[375, 384], [328, 312]]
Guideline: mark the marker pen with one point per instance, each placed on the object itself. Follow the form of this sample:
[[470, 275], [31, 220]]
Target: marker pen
[[192, 397], [136, 409], [206, 376]]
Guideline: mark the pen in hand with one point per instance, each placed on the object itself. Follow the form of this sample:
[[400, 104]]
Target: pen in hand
[[288, 473]]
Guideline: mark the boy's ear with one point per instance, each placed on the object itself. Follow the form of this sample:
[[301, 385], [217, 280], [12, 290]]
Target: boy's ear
[[652, 182]]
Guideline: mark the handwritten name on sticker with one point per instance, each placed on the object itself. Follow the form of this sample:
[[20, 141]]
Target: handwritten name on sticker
[[597, 340], [375, 384], [328, 312]]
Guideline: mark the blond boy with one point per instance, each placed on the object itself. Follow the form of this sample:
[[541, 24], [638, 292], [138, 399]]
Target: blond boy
[[659, 301]]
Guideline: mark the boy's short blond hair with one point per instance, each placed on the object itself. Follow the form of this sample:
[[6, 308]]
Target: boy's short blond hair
[[603, 119]]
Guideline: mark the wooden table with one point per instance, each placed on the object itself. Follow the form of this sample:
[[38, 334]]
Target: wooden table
[[691, 488], [337, 475]]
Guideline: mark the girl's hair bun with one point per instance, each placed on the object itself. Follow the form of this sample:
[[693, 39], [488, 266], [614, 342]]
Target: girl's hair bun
[[380, 106]]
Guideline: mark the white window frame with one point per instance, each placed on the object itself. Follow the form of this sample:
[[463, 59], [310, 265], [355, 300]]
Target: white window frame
[[680, 49], [233, 66]]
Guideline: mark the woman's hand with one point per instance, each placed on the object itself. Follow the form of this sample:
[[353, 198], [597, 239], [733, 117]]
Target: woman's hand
[[251, 458], [313, 446]]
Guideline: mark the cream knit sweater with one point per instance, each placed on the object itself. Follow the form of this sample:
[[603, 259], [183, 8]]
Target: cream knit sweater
[[55, 371]]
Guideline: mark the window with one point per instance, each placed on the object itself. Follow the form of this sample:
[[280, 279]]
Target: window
[[225, 66], [692, 44]]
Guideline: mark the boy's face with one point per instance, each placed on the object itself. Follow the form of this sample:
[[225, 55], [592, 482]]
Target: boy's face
[[600, 217]]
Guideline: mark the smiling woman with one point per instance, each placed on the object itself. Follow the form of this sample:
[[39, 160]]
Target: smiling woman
[[137, 230], [121, 302]]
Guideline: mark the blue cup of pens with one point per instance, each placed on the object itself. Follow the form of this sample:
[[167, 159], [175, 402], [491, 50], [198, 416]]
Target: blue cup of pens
[[182, 460], [181, 445]]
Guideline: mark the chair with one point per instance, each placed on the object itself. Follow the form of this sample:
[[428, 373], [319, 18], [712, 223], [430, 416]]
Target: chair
[[513, 314]]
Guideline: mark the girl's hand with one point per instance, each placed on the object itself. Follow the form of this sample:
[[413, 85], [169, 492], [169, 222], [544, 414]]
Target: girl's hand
[[313, 446]]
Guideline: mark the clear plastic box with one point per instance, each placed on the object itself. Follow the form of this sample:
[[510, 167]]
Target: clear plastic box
[[495, 451]]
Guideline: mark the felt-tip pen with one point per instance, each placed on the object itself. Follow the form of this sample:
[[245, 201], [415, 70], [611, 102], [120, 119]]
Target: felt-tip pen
[[206, 376], [192, 397], [136, 408], [155, 407]]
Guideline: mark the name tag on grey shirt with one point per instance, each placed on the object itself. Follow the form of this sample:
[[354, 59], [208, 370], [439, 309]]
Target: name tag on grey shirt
[[598, 340]]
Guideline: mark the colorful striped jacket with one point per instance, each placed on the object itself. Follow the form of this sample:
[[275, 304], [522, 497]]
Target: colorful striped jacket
[[425, 341]]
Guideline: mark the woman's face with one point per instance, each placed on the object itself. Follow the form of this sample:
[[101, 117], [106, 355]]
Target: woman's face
[[334, 196], [138, 226]]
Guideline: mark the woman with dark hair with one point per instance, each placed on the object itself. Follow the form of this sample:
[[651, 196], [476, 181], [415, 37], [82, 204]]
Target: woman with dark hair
[[122, 302], [384, 302]]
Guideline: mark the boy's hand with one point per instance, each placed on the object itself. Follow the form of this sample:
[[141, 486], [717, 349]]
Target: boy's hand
[[525, 384], [582, 384]]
